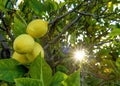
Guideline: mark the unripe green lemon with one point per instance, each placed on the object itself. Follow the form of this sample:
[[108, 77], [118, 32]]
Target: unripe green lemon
[[37, 28], [23, 44], [36, 51], [20, 58]]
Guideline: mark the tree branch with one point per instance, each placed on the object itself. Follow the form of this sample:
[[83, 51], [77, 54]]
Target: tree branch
[[6, 28], [64, 30], [2, 28], [61, 16], [108, 15], [86, 14], [109, 41]]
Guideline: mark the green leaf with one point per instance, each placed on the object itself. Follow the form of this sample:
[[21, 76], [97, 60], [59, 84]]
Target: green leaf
[[9, 5], [58, 78], [73, 79], [36, 6], [62, 68], [10, 69], [115, 32], [39, 69], [19, 25], [92, 81], [117, 62], [27, 82], [104, 52], [50, 5], [3, 2], [2, 5]]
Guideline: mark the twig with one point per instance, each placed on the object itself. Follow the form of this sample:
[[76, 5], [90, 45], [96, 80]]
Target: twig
[[64, 30], [103, 42], [108, 15], [86, 14]]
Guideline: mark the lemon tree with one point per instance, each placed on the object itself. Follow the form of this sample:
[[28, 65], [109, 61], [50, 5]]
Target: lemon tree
[[60, 27]]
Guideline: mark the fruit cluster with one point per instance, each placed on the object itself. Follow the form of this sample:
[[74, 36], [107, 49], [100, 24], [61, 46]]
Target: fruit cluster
[[25, 47]]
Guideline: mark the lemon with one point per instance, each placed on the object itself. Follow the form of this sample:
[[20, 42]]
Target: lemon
[[109, 4], [107, 70], [24, 43], [37, 28], [36, 51], [20, 58]]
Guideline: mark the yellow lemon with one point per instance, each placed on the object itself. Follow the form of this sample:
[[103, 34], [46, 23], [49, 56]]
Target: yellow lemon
[[107, 70], [37, 28], [24, 43], [36, 51], [20, 58], [109, 4]]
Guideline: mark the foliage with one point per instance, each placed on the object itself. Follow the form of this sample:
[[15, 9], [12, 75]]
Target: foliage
[[10, 69], [89, 24]]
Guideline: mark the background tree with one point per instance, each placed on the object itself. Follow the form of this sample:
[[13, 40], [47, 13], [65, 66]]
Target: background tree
[[92, 25]]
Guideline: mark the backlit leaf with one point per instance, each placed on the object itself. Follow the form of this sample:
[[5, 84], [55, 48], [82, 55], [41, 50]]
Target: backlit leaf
[[41, 70], [10, 69]]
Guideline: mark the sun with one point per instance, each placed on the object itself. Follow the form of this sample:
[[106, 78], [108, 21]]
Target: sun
[[79, 55]]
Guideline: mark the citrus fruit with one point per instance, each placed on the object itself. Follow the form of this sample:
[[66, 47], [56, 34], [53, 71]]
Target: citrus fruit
[[36, 51], [20, 58], [24, 43], [37, 28]]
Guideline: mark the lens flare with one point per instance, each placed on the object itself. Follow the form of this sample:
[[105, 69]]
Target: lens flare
[[79, 55]]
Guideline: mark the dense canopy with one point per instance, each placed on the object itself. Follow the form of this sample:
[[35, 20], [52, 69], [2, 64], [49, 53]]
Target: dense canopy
[[92, 25]]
